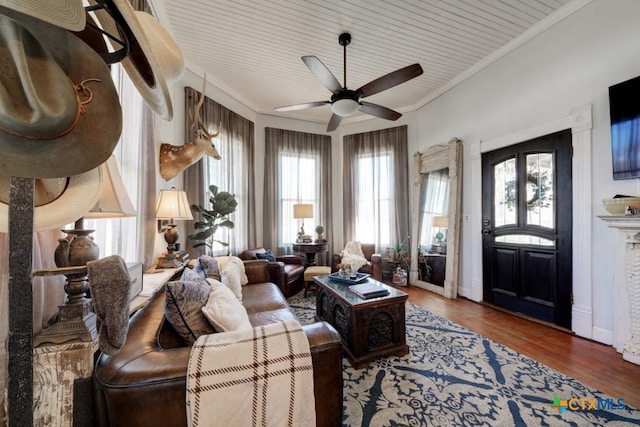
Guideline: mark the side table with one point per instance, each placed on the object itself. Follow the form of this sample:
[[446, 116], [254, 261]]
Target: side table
[[310, 250]]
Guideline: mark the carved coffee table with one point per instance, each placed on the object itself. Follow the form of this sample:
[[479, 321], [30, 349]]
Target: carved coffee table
[[369, 327]]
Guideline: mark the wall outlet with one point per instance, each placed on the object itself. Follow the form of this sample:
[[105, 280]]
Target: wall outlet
[[465, 217]]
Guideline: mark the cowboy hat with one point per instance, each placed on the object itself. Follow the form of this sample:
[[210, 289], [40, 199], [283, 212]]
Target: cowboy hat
[[59, 110], [58, 201], [68, 14], [154, 56]]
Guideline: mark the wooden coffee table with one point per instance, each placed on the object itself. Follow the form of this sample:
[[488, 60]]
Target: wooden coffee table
[[369, 327]]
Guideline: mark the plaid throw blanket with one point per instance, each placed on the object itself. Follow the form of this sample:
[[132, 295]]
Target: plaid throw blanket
[[257, 377]]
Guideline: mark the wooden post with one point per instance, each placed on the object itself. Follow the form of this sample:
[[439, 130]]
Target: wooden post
[[20, 336]]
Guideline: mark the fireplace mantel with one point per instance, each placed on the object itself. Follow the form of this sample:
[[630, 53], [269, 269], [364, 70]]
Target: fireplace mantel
[[626, 289]]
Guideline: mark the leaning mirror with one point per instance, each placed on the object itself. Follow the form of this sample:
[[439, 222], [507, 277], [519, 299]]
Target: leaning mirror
[[436, 222]]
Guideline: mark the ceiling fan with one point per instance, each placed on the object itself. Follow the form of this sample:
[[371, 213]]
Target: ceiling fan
[[345, 102]]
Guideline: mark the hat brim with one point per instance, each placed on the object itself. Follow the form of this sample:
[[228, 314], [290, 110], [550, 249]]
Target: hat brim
[[142, 63], [81, 194], [68, 14], [93, 139]]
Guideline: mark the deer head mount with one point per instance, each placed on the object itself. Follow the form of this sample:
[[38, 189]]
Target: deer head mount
[[176, 158]]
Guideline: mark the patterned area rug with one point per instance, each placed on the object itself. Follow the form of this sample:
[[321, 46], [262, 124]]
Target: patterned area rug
[[455, 377]]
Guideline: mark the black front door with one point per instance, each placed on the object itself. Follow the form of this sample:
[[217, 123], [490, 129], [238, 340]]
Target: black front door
[[526, 226]]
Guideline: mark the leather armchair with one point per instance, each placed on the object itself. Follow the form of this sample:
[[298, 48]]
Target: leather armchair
[[287, 271], [374, 261]]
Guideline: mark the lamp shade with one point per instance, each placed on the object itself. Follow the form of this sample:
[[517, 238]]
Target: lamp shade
[[303, 210], [173, 204], [441, 221], [114, 201]]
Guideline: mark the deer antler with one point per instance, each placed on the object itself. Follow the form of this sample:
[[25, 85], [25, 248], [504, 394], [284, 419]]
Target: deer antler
[[196, 120]]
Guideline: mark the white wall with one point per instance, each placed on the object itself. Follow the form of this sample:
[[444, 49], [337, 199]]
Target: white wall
[[570, 65]]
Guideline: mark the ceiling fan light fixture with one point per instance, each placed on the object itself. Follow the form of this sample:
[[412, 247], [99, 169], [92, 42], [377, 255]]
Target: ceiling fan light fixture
[[345, 107]]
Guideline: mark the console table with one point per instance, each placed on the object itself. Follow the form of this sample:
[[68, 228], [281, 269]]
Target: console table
[[310, 250]]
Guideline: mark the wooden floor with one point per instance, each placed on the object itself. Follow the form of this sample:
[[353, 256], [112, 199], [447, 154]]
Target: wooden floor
[[596, 365]]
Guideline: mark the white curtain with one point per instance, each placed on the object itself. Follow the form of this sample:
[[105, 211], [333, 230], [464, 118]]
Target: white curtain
[[125, 236], [376, 187], [297, 170], [434, 201], [233, 173]]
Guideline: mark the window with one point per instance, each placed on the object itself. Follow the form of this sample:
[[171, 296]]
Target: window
[[373, 197], [297, 170], [227, 174], [123, 236], [233, 172], [375, 187], [297, 179]]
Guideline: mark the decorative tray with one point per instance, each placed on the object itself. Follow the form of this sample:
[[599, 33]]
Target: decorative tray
[[360, 278]]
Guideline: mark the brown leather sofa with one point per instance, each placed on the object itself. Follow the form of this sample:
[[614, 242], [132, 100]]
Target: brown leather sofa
[[145, 383], [374, 261], [287, 271]]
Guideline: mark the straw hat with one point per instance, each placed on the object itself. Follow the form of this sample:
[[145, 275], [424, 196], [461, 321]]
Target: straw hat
[[58, 201], [59, 111], [154, 59], [67, 14]]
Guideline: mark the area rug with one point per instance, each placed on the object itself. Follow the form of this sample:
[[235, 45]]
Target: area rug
[[455, 377]]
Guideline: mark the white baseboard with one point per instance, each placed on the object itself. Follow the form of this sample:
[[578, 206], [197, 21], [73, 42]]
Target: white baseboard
[[581, 321], [602, 335]]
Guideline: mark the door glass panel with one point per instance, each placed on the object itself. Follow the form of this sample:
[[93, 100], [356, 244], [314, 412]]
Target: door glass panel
[[540, 200], [505, 191], [524, 239]]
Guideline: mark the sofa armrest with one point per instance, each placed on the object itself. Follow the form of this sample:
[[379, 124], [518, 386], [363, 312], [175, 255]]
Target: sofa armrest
[[376, 266], [335, 260], [326, 354], [290, 259], [257, 270]]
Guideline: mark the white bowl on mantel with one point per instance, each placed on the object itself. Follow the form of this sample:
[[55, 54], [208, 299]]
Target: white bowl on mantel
[[617, 205]]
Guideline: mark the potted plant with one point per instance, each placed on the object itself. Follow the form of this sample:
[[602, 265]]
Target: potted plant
[[319, 231], [400, 260], [222, 205]]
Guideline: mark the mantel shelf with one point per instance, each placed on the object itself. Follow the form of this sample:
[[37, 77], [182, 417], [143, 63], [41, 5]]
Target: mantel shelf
[[624, 222]]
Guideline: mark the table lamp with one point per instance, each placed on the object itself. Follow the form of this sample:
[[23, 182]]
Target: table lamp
[[440, 222], [172, 205], [302, 211], [75, 318]]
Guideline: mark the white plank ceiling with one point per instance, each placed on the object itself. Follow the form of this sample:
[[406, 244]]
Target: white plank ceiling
[[251, 49]]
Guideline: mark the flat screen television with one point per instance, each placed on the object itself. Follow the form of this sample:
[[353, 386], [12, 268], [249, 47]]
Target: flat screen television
[[624, 107]]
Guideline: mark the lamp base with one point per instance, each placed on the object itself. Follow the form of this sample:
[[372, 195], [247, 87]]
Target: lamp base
[[76, 321], [173, 259]]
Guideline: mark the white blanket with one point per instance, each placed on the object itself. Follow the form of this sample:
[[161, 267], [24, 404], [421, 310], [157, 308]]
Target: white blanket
[[352, 255], [257, 377]]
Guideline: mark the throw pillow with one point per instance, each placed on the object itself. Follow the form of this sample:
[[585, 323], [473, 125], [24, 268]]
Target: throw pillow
[[231, 279], [268, 255], [224, 311], [188, 275], [183, 309], [210, 266], [197, 268], [223, 261]]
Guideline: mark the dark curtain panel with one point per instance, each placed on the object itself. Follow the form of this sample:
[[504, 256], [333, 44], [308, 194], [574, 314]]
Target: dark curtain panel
[[372, 145], [234, 172], [279, 141]]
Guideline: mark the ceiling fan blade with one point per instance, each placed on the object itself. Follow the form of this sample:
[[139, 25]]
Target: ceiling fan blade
[[322, 73], [334, 122], [379, 111], [302, 106], [390, 80]]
